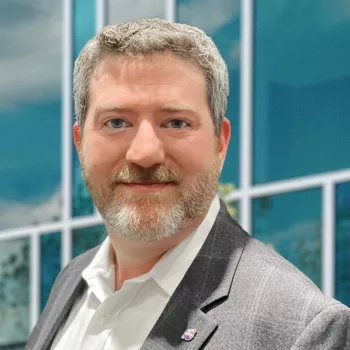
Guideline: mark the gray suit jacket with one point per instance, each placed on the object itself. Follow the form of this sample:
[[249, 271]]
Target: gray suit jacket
[[237, 293]]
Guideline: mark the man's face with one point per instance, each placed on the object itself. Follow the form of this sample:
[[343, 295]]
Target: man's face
[[149, 154]]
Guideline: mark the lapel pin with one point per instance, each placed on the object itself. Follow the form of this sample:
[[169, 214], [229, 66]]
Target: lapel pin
[[189, 334]]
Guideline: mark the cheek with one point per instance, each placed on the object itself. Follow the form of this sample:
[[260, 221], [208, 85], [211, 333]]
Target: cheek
[[101, 154], [195, 155]]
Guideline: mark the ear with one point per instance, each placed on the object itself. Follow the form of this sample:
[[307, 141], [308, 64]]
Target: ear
[[224, 139], [77, 136]]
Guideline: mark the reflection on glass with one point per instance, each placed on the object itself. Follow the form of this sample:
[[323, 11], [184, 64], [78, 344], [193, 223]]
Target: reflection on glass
[[83, 30], [223, 25], [342, 270], [301, 88], [223, 191], [233, 209], [87, 238], [127, 10], [30, 98], [291, 224], [14, 291], [50, 266]]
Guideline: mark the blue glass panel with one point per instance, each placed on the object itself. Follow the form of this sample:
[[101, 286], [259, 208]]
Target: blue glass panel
[[30, 98], [83, 30], [50, 265], [291, 224], [342, 270], [14, 291], [221, 20], [301, 88], [121, 10], [87, 238]]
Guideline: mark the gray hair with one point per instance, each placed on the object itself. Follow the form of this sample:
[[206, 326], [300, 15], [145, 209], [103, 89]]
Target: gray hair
[[144, 38]]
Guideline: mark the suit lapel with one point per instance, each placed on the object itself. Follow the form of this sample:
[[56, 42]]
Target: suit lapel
[[180, 314], [207, 282]]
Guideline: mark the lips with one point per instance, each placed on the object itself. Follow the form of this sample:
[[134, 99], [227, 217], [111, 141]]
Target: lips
[[148, 186], [149, 183]]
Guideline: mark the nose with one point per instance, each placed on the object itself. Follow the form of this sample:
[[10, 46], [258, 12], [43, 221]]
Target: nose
[[146, 149]]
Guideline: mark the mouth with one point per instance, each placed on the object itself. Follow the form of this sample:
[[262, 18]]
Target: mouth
[[148, 186]]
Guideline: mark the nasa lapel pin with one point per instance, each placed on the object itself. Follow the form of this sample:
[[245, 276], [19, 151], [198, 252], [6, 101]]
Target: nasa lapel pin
[[189, 334]]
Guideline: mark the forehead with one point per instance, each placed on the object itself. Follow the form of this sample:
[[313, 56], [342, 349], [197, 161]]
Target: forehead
[[159, 76]]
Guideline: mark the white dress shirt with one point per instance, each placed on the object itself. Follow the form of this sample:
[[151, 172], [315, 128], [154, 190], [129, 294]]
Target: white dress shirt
[[121, 320]]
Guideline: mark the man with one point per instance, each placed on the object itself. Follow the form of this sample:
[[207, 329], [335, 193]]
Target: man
[[176, 272]]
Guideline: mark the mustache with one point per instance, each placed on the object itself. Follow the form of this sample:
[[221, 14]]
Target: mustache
[[137, 174]]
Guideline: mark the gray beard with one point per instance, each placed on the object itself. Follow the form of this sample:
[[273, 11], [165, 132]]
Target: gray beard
[[148, 218], [131, 222]]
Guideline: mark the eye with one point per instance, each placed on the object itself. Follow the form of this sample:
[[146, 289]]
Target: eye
[[117, 123], [176, 124]]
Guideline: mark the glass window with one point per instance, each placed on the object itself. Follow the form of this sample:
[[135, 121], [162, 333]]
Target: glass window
[[233, 209], [87, 238], [50, 264], [14, 291], [291, 224], [224, 189], [83, 30], [127, 10], [223, 25], [342, 271], [301, 88], [30, 109]]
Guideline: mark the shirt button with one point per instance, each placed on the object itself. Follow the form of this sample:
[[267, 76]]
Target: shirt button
[[106, 319]]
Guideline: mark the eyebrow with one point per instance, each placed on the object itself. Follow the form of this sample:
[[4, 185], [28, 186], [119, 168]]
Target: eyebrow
[[174, 108], [170, 108], [111, 108]]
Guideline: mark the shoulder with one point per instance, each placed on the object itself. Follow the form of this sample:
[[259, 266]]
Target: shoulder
[[277, 278], [282, 292], [67, 287], [272, 303]]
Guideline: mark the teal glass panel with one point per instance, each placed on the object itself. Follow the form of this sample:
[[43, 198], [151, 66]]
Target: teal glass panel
[[30, 112], [220, 19], [301, 88], [87, 238], [14, 291], [50, 265], [121, 10], [83, 23], [83, 30], [291, 224], [342, 268]]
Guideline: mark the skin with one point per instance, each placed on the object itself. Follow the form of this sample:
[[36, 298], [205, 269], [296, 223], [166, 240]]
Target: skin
[[148, 112]]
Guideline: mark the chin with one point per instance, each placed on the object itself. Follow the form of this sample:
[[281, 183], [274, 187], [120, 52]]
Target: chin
[[146, 224], [148, 200]]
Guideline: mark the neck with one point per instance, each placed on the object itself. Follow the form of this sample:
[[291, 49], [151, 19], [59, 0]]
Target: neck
[[134, 258]]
